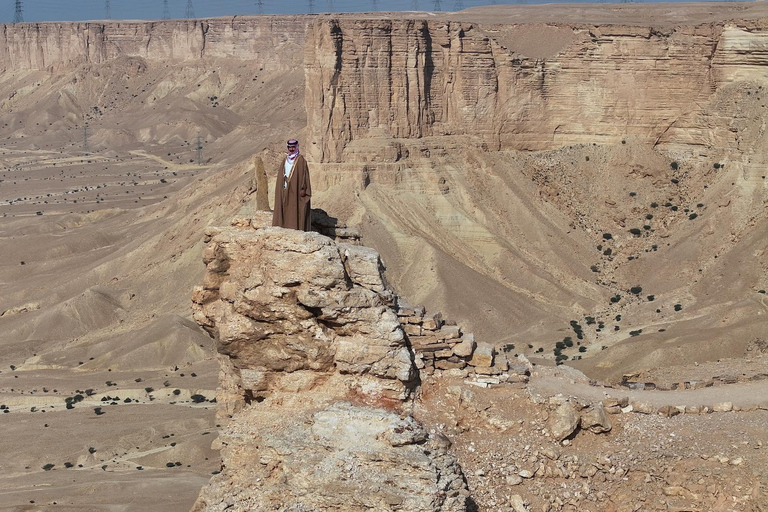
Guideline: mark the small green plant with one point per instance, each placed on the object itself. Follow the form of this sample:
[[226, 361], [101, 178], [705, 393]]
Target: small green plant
[[607, 236], [636, 231], [692, 216], [98, 411], [635, 333], [654, 205], [678, 307], [636, 289], [582, 349], [176, 392], [616, 298], [91, 450], [48, 467], [674, 166], [149, 389], [651, 298]]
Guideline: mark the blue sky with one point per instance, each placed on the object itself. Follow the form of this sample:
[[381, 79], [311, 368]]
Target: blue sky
[[75, 10]]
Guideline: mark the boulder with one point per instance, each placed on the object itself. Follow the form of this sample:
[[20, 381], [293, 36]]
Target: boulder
[[595, 419], [563, 421]]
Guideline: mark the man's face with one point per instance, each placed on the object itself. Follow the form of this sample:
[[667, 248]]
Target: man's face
[[291, 148]]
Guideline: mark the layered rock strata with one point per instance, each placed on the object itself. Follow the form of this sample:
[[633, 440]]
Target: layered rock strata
[[316, 375], [405, 79]]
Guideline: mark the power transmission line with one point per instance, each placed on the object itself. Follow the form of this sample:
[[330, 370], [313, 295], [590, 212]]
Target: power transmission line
[[438, 5], [190, 10], [107, 10], [18, 17], [166, 11], [311, 6], [260, 5], [458, 5]]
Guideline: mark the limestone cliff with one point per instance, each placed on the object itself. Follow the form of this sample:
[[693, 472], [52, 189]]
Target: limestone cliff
[[415, 78], [48, 46], [315, 375]]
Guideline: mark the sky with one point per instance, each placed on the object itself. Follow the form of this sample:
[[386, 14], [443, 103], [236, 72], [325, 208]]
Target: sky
[[78, 10]]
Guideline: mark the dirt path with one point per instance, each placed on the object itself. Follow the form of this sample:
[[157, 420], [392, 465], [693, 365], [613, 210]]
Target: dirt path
[[547, 382]]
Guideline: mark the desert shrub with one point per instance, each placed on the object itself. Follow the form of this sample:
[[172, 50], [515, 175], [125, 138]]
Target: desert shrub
[[674, 166], [632, 194], [651, 298], [692, 216], [607, 236], [635, 231], [616, 298], [589, 320], [98, 411], [700, 205], [678, 307], [717, 165], [675, 181], [198, 398], [48, 467], [608, 252], [582, 349], [177, 392], [674, 208], [654, 205], [635, 333], [649, 216], [636, 289], [149, 389]]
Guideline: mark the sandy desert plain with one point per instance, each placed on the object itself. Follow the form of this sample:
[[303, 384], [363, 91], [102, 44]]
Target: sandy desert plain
[[589, 172]]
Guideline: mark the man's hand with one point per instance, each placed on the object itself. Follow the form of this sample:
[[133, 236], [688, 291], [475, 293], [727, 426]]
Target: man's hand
[[303, 193]]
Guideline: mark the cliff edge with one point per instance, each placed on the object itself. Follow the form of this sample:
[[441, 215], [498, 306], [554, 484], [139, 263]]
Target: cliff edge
[[316, 377]]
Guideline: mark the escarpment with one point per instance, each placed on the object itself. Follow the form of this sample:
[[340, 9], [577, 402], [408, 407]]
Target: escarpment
[[316, 375], [405, 79]]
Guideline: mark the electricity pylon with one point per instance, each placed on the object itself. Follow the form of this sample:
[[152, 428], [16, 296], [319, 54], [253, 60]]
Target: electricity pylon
[[18, 17], [190, 10], [107, 10], [166, 11]]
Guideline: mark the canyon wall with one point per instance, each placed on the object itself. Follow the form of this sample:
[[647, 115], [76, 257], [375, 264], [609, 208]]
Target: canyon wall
[[50, 46], [592, 84]]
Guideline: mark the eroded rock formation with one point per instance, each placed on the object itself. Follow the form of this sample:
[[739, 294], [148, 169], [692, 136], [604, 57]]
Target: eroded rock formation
[[407, 78], [316, 377]]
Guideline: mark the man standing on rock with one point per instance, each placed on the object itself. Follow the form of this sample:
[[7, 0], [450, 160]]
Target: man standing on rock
[[293, 191]]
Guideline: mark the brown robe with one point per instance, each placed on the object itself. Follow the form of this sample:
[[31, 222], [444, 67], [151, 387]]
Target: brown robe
[[292, 210]]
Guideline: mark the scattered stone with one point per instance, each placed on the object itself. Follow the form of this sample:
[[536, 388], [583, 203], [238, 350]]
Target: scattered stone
[[517, 503], [595, 419], [668, 411], [514, 480], [526, 473], [563, 421], [643, 407], [483, 356], [723, 407]]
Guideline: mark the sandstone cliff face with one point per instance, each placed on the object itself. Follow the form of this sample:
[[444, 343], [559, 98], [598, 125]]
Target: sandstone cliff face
[[408, 78], [43, 46], [314, 369]]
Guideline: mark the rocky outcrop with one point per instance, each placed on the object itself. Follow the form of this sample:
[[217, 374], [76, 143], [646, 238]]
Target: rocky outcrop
[[316, 374]]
